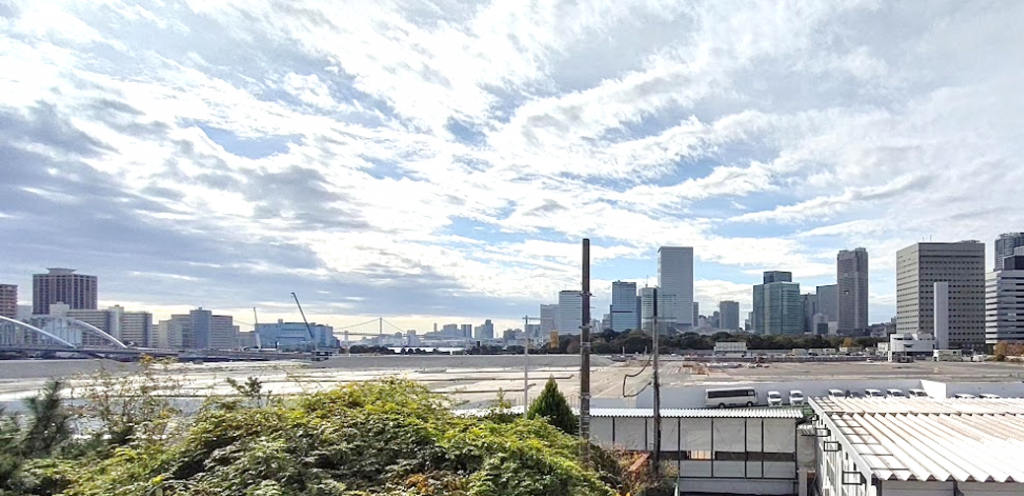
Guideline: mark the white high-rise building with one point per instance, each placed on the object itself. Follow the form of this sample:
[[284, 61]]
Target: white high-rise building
[[675, 277], [570, 312], [623, 311], [1004, 303]]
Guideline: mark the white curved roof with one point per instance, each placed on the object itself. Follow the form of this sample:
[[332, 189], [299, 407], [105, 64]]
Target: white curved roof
[[965, 440]]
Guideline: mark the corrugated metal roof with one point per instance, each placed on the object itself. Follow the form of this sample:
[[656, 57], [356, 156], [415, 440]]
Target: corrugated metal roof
[[920, 405], [784, 412], [923, 439], [792, 413]]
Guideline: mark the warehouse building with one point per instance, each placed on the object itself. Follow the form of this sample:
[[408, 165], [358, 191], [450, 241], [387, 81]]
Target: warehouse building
[[754, 451], [919, 447]]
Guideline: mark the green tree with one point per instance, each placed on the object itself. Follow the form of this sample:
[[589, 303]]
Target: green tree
[[552, 406], [10, 459], [49, 422]]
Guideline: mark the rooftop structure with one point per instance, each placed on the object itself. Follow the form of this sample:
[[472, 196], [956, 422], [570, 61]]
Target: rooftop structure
[[945, 446]]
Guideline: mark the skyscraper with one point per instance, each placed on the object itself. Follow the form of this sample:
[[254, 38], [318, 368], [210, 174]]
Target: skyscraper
[[828, 301], [729, 315], [852, 280], [771, 276], [1004, 303], [810, 310], [1005, 244], [9, 301], [778, 306], [675, 277], [77, 291], [467, 330], [962, 265], [623, 309], [485, 331], [570, 312], [696, 311], [548, 319]]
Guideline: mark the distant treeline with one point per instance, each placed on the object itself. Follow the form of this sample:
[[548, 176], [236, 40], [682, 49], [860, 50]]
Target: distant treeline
[[610, 342]]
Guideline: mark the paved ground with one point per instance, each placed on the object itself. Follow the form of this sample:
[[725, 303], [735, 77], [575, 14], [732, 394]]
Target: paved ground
[[476, 380]]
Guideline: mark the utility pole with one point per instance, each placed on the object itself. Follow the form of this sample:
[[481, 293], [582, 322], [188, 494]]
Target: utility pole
[[656, 464], [526, 365], [585, 356], [380, 331]]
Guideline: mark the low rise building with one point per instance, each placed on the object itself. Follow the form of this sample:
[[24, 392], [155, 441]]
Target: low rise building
[[918, 446]]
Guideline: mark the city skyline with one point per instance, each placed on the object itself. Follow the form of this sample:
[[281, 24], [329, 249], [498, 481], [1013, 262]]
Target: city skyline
[[448, 174]]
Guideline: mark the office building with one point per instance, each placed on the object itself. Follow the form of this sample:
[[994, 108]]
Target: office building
[[411, 339], [9, 301], [810, 303], [962, 265], [295, 336], [1004, 302], [548, 319], [77, 291], [828, 301], [467, 331], [783, 309], [570, 312], [778, 305], [696, 311], [1005, 246], [137, 329], [451, 331], [675, 278], [623, 309], [201, 330], [639, 312], [666, 305], [729, 315], [777, 276], [852, 281], [485, 330]]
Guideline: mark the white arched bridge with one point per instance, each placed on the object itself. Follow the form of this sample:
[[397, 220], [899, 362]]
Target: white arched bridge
[[55, 331]]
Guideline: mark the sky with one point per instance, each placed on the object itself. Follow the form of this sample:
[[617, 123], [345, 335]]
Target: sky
[[440, 161]]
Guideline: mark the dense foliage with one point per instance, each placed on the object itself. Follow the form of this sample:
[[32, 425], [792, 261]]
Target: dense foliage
[[392, 437], [551, 406]]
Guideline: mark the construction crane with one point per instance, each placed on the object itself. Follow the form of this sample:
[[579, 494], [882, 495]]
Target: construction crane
[[255, 329], [312, 338]]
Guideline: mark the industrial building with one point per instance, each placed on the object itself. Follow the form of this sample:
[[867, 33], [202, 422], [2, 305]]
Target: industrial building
[[719, 451], [919, 447]]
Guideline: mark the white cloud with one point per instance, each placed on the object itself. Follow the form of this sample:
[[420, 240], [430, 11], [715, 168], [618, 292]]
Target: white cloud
[[467, 147]]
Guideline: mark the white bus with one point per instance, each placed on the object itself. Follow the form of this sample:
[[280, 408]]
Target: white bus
[[723, 397]]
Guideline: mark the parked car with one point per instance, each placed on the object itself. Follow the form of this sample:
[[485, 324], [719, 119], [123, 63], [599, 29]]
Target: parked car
[[854, 394], [964, 396], [796, 398], [873, 393], [774, 398], [917, 393], [990, 396], [836, 393], [895, 393]]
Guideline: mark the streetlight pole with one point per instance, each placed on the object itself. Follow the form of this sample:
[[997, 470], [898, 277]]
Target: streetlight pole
[[526, 363]]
